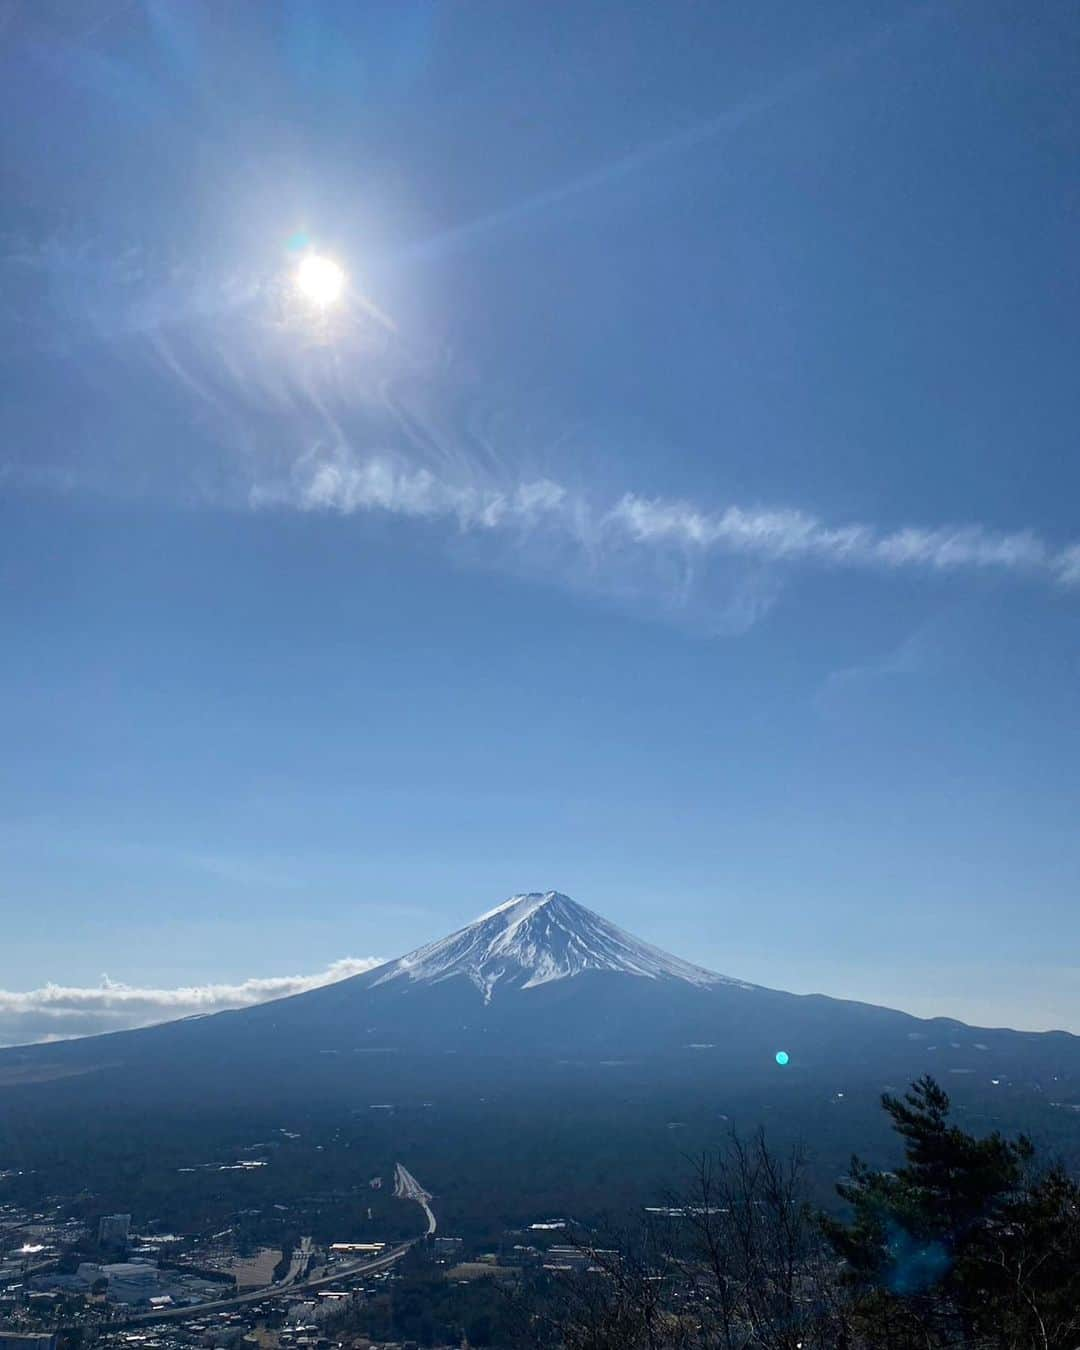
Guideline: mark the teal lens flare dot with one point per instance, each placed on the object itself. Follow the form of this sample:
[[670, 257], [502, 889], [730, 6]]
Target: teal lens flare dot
[[781, 1057]]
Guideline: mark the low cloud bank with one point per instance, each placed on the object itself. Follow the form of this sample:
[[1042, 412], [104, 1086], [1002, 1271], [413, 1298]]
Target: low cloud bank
[[57, 1012]]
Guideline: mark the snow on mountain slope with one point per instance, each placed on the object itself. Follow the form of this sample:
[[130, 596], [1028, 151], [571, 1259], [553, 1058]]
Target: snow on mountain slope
[[533, 939]]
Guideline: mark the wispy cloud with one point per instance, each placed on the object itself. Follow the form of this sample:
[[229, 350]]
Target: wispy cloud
[[343, 481], [791, 535], [917, 655], [274, 408], [348, 415], [59, 1011]]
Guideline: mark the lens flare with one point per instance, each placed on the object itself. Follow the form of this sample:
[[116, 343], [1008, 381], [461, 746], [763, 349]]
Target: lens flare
[[320, 280], [782, 1057]]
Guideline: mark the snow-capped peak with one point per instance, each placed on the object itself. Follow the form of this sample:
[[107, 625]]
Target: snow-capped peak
[[535, 938]]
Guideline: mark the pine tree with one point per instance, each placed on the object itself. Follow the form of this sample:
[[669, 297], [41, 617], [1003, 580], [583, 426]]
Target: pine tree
[[964, 1245]]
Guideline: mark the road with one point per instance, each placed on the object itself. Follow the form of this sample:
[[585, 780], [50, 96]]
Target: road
[[406, 1187], [300, 1257]]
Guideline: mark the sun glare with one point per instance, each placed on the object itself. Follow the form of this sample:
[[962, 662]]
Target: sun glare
[[320, 280]]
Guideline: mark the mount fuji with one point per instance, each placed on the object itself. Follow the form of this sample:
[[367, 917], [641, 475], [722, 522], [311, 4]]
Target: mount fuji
[[535, 990], [533, 939]]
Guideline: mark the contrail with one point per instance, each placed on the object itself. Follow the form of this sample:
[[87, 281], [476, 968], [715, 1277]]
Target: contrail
[[731, 120], [346, 483]]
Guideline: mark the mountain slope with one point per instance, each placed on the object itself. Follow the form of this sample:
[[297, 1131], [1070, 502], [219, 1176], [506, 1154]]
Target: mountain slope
[[538, 992], [533, 939], [539, 1060]]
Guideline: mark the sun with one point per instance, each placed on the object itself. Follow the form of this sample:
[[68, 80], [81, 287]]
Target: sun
[[320, 280]]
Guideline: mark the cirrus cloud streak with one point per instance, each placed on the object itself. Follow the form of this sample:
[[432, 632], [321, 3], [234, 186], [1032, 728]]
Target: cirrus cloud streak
[[347, 483], [352, 416]]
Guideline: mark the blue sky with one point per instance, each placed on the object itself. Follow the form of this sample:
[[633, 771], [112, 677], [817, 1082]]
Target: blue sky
[[679, 509]]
